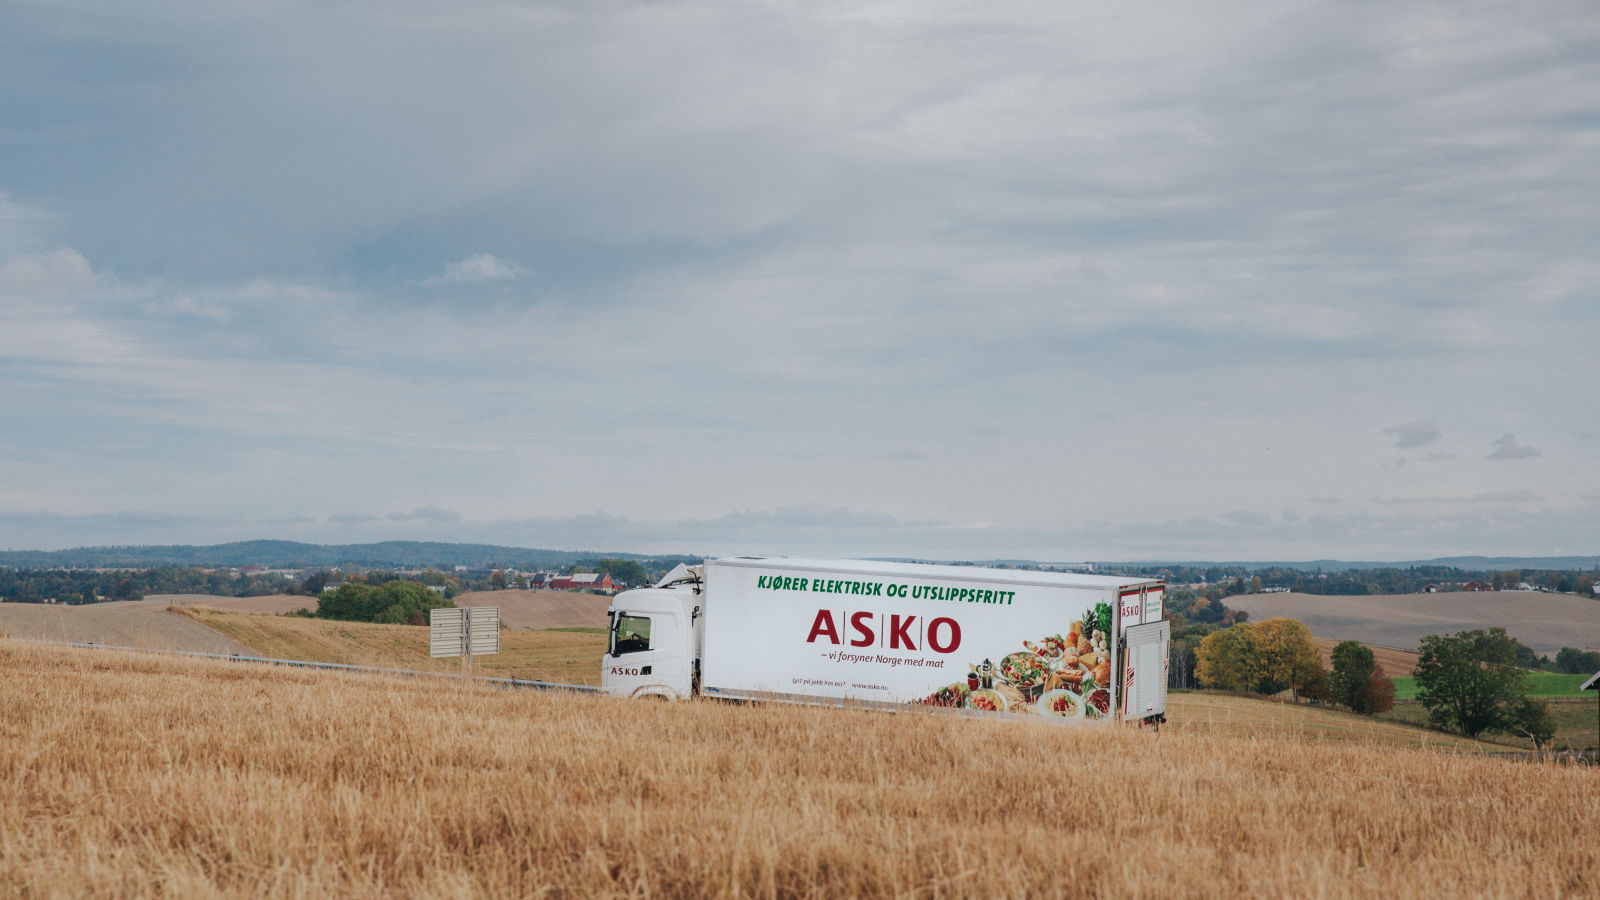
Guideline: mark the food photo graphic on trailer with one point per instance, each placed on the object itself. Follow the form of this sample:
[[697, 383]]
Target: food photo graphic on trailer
[[984, 640]]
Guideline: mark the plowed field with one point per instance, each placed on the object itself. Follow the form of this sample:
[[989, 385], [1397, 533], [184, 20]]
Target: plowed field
[[135, 623], [1545, 622]]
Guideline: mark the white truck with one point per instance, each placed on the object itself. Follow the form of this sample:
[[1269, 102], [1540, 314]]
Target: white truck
[[1062, 645]]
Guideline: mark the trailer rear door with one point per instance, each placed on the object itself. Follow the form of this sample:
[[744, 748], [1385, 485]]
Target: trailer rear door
[[1144, 676]]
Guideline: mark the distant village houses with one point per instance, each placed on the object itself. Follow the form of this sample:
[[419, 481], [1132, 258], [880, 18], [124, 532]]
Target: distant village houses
[[583, 581]]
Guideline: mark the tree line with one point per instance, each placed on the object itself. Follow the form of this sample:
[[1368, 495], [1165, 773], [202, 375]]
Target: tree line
[[93, 586], [1469, 682], [1239, 579]]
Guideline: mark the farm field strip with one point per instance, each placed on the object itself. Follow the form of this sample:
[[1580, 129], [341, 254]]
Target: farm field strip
[[564, 656], [135, 775]]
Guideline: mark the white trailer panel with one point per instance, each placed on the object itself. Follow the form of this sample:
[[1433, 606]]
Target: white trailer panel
[[895, 633]]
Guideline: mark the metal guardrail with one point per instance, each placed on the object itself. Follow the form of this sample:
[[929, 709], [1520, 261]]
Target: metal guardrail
[[343, 667]]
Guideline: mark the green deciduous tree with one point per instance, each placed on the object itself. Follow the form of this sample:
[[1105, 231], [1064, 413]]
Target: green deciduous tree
[[1577, 662], [627, 571], [1290, 659], [1469, 681], [1229, 659], [395, 602], [1352, 679]]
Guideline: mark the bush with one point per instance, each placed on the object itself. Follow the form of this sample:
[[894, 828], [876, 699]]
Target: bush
[[1382, 690], [395, 602], [1531, 719]]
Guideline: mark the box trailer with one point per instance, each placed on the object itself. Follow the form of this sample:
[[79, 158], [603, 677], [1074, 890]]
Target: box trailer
[[1060, 645]]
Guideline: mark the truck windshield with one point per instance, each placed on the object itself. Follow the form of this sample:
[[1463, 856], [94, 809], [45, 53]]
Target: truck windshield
[[633, 633]]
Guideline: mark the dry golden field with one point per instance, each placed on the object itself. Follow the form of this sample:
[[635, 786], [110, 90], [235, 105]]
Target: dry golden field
[[135, 775], [269, 603], [568, 657], [543, 609]]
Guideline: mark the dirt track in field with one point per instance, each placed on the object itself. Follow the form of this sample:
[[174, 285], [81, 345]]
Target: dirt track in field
[[1545, 622], [135, 623], [542, 609]]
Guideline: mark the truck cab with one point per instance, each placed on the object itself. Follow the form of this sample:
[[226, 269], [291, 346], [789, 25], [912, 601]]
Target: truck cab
[[654, 644]]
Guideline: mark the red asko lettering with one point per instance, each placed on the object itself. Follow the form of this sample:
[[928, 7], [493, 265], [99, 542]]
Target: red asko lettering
[[943, 635], [862, 623]]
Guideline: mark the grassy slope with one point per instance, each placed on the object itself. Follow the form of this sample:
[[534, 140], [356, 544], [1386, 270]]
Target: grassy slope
[[567, 656], [1206, 712], [132, 775], [1576, 728], [1540, 684]]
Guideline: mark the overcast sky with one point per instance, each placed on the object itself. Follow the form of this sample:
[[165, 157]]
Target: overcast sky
[[1056, 280]]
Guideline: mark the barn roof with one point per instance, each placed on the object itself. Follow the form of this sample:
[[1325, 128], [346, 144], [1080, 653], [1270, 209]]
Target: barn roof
[[1591, 683]]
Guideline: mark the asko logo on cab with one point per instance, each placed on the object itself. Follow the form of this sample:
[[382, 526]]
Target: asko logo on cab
[[623, 670]]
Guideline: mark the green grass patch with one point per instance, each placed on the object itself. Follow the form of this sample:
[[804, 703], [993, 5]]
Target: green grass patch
[[1555, 684], [1540, 684]]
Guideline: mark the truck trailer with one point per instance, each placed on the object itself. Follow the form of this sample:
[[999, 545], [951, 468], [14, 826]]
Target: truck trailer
[[1065, 646]]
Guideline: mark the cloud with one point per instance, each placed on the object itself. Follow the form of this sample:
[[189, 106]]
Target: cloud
[[55, 273], [1506, 447], [1414, 434], [1514, 496], [431, 514], [185, 305], [751, 296], [351, 518], [478, 269]]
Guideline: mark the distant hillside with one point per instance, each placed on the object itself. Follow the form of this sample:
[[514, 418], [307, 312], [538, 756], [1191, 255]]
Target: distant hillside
[[417, 554], [290, 554]]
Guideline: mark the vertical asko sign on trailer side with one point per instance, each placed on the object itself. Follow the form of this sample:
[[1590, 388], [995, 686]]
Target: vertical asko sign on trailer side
[[993, 640]]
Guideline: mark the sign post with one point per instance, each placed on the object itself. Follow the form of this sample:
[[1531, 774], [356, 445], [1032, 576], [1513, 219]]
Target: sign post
[[464, 632]]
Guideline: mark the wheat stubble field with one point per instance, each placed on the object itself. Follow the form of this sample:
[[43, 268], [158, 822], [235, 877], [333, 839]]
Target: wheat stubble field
[[138, 775]]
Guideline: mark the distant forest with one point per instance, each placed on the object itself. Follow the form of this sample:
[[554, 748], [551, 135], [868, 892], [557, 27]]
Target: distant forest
[[1227, 580]]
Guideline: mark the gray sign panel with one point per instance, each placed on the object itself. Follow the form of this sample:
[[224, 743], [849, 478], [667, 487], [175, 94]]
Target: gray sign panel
[[455, 632]]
